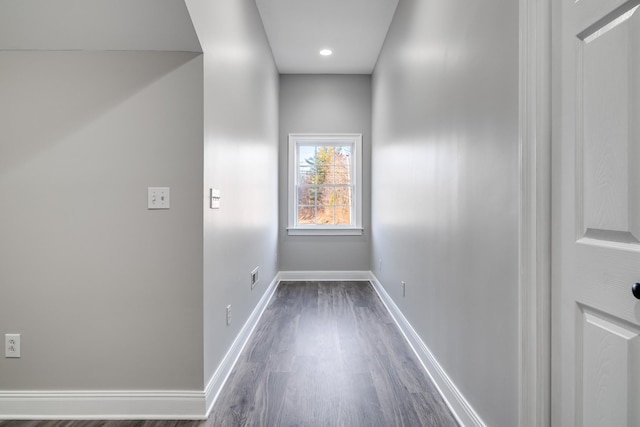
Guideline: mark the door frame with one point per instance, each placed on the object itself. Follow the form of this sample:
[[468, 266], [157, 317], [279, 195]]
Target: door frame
[[534, 282]]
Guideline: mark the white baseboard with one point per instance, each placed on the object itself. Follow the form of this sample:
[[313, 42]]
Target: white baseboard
[[461, 409], [324, 275], [131, 405], [218, 379], [68, 405], [197, 405]]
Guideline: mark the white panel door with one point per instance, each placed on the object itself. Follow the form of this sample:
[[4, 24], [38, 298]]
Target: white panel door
[[598, 332]]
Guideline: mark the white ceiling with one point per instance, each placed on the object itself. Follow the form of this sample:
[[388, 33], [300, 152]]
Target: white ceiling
[[96, 25], [353, 29], [296, 29]]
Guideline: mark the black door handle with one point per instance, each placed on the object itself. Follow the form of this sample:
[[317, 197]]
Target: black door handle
[[635, 289]]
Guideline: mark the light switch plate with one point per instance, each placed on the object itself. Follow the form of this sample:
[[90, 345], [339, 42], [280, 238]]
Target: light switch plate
[[159, 198], [214, 197]]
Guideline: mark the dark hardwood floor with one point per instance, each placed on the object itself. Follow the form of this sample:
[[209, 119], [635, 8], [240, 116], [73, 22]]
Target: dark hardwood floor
[[323, 354]]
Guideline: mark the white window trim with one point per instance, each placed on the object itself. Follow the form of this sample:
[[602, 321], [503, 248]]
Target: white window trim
[[294, 229]]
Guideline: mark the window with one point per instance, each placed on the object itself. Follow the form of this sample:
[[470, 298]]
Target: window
[[325, 184]]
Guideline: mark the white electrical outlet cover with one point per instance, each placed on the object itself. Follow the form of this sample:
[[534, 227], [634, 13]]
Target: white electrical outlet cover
[[255, 277], [12, 345]]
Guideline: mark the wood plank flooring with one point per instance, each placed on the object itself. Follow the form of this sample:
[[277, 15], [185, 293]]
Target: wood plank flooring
[[323, 354]]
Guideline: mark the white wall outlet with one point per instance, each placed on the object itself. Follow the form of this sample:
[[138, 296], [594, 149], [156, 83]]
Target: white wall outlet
[[12, 345], [158, 198], [404, 289], [255, 277], [228, 314], [380, 265], [214, 198]]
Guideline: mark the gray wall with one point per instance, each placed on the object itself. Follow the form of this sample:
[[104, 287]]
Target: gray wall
[[445, 189], [241, 160], [99, 286], [325, 104]]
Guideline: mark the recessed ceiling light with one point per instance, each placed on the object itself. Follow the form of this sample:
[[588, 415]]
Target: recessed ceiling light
[[326, 52]]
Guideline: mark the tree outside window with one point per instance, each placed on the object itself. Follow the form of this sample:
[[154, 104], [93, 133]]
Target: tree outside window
[[324, 184]]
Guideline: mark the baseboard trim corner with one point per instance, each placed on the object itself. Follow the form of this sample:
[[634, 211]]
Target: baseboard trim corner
[[324, 275], [462, 410]]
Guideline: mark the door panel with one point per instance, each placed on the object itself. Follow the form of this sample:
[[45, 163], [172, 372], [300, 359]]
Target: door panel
[[598, 331], [586, 14], [607, 126], [610, 352]]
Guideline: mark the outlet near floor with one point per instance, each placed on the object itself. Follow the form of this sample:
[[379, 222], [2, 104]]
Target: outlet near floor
[[255, 277], [12, 345], [228, 314]]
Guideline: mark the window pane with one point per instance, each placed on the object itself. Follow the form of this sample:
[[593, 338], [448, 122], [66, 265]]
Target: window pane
[[343, 196], [306, 215], [344, 155], [343, 215], [308, 195], [324, 205], [325, 215], [326, 196], [334, 206], [322, 173], [305, 174], [306, 152], [342, 175], [329, 175], [331, 215]]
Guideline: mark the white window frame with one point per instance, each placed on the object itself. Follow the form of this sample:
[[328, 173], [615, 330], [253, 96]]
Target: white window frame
[[354, 229]]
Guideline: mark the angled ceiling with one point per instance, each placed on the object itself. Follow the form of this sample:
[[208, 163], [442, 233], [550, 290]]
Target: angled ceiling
[[354, 29], [296, 29], [96, 25]]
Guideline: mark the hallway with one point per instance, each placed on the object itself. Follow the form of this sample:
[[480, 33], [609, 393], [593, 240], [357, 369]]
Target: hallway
[[328, 354], [94, 108], [322, 354]]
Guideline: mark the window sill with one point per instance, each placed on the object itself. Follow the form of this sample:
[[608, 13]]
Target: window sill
[[324, 231]]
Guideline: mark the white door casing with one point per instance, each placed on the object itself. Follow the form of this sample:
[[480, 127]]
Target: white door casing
[[596, 259], [535, 213]]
